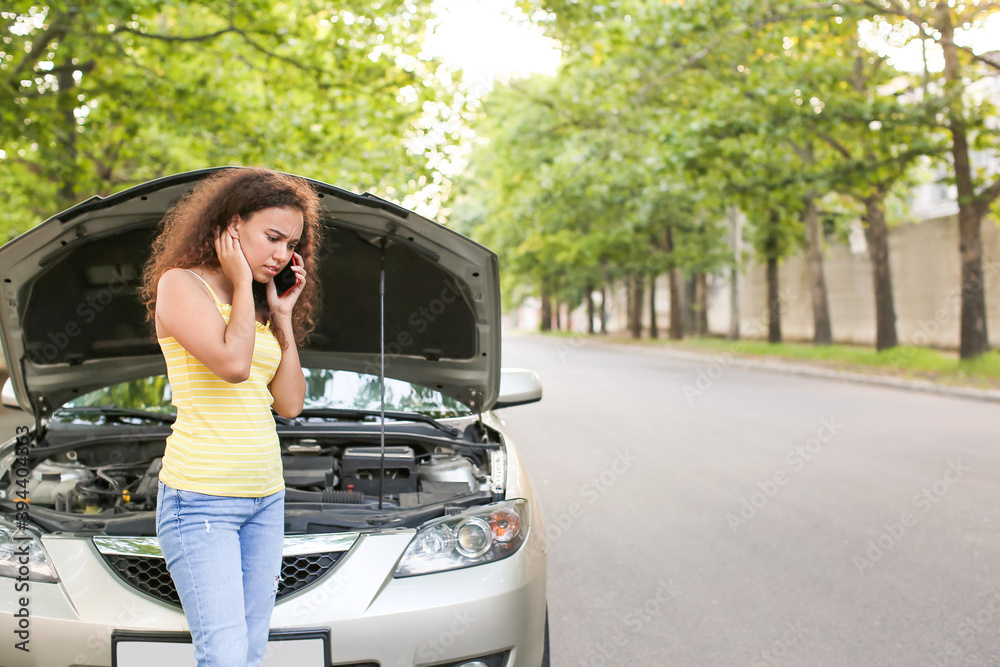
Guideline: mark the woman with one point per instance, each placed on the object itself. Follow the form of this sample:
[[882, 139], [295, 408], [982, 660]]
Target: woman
[[230, 342]]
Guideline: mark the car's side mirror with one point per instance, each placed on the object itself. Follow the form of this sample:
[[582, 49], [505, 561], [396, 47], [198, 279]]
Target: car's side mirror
[[8, 399], [517, 387]]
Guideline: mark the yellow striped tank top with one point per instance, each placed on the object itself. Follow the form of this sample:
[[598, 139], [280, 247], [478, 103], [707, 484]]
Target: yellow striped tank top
[[224, 441]]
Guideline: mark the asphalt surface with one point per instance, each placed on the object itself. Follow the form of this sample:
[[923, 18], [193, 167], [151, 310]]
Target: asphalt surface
[[701, 515]]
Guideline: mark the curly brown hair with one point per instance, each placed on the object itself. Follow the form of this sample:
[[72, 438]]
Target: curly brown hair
[[188, 234]]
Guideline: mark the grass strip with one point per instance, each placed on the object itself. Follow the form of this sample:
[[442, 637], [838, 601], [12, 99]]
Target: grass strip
[[903, 361]]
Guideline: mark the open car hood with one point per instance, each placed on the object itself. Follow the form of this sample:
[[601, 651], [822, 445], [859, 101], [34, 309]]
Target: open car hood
[[72, 321]]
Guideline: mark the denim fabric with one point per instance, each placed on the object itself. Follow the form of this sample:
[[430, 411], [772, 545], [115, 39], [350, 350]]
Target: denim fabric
[[224, 555]]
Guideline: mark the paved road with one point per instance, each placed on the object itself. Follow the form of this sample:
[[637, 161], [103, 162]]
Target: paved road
[[757, 518]]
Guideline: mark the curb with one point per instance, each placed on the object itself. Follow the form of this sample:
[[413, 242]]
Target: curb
[[792, 368]]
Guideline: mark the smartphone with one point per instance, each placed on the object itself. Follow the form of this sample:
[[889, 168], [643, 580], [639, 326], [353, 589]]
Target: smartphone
[[285, 279]]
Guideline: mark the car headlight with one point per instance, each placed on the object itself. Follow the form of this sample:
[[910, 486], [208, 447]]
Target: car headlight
[[482, 535], [22, 556]]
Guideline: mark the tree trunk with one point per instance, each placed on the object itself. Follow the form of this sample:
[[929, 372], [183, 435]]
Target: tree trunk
[[701, 309], [558, 311], [734, 274], [974, 340], [674, 276], [590, 308], [654, 331], [603, 312], [773, 302], [878, 250], [546, 323], [822, 334], [629, 304], [690, 296], [676, 306], [637, 303]]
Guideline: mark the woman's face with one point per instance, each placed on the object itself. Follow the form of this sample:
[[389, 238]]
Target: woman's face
[[268, 238]]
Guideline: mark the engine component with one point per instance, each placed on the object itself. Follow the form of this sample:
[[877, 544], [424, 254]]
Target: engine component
[[305, 446], [325, 496], [149, 487], [304, 471], [361, 470], [444, 467], [49, 480]]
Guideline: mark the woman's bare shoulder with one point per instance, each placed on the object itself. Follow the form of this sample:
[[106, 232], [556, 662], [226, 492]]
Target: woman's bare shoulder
[[176, 282], [174, 274]]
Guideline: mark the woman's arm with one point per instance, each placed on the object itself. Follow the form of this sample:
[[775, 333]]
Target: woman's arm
[[288, 386]]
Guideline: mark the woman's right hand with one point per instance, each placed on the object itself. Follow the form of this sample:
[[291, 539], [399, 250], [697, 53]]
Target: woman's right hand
[[231, 257]]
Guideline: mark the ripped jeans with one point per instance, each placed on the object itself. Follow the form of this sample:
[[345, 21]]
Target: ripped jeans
[[224, 555]]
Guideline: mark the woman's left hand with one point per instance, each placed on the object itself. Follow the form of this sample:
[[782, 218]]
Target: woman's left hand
[[282, 305]]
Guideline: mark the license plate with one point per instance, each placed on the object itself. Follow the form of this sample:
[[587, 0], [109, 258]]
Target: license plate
[[302, 648]]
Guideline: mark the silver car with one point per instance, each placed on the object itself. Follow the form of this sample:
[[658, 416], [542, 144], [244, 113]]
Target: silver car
[[412, 535]]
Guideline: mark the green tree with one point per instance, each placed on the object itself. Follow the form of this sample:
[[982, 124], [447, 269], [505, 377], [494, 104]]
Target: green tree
[[101, 95], [813, 87], [965, 122], [793, 74]]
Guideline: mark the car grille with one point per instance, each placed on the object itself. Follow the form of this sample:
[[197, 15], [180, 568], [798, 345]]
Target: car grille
[[150, 575]]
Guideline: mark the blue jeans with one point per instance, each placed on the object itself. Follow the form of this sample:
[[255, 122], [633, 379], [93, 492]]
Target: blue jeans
[[224, 555]]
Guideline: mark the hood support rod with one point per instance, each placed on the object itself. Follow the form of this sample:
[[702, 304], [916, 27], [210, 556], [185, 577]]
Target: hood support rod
[[381, 372]]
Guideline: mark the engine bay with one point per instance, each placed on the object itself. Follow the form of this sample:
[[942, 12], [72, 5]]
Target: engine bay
[[328, 475]]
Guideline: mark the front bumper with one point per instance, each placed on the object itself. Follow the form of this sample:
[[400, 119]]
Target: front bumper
[[372, 617]]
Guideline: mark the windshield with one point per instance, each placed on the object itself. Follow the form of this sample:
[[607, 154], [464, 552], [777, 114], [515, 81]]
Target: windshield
[[324, 389]]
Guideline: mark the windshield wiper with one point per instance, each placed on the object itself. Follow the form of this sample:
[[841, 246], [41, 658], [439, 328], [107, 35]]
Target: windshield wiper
[[115, 411], [350, 413]]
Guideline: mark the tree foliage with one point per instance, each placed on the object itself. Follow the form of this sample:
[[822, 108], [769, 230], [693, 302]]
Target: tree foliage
[[100, 95], [665, 114]]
